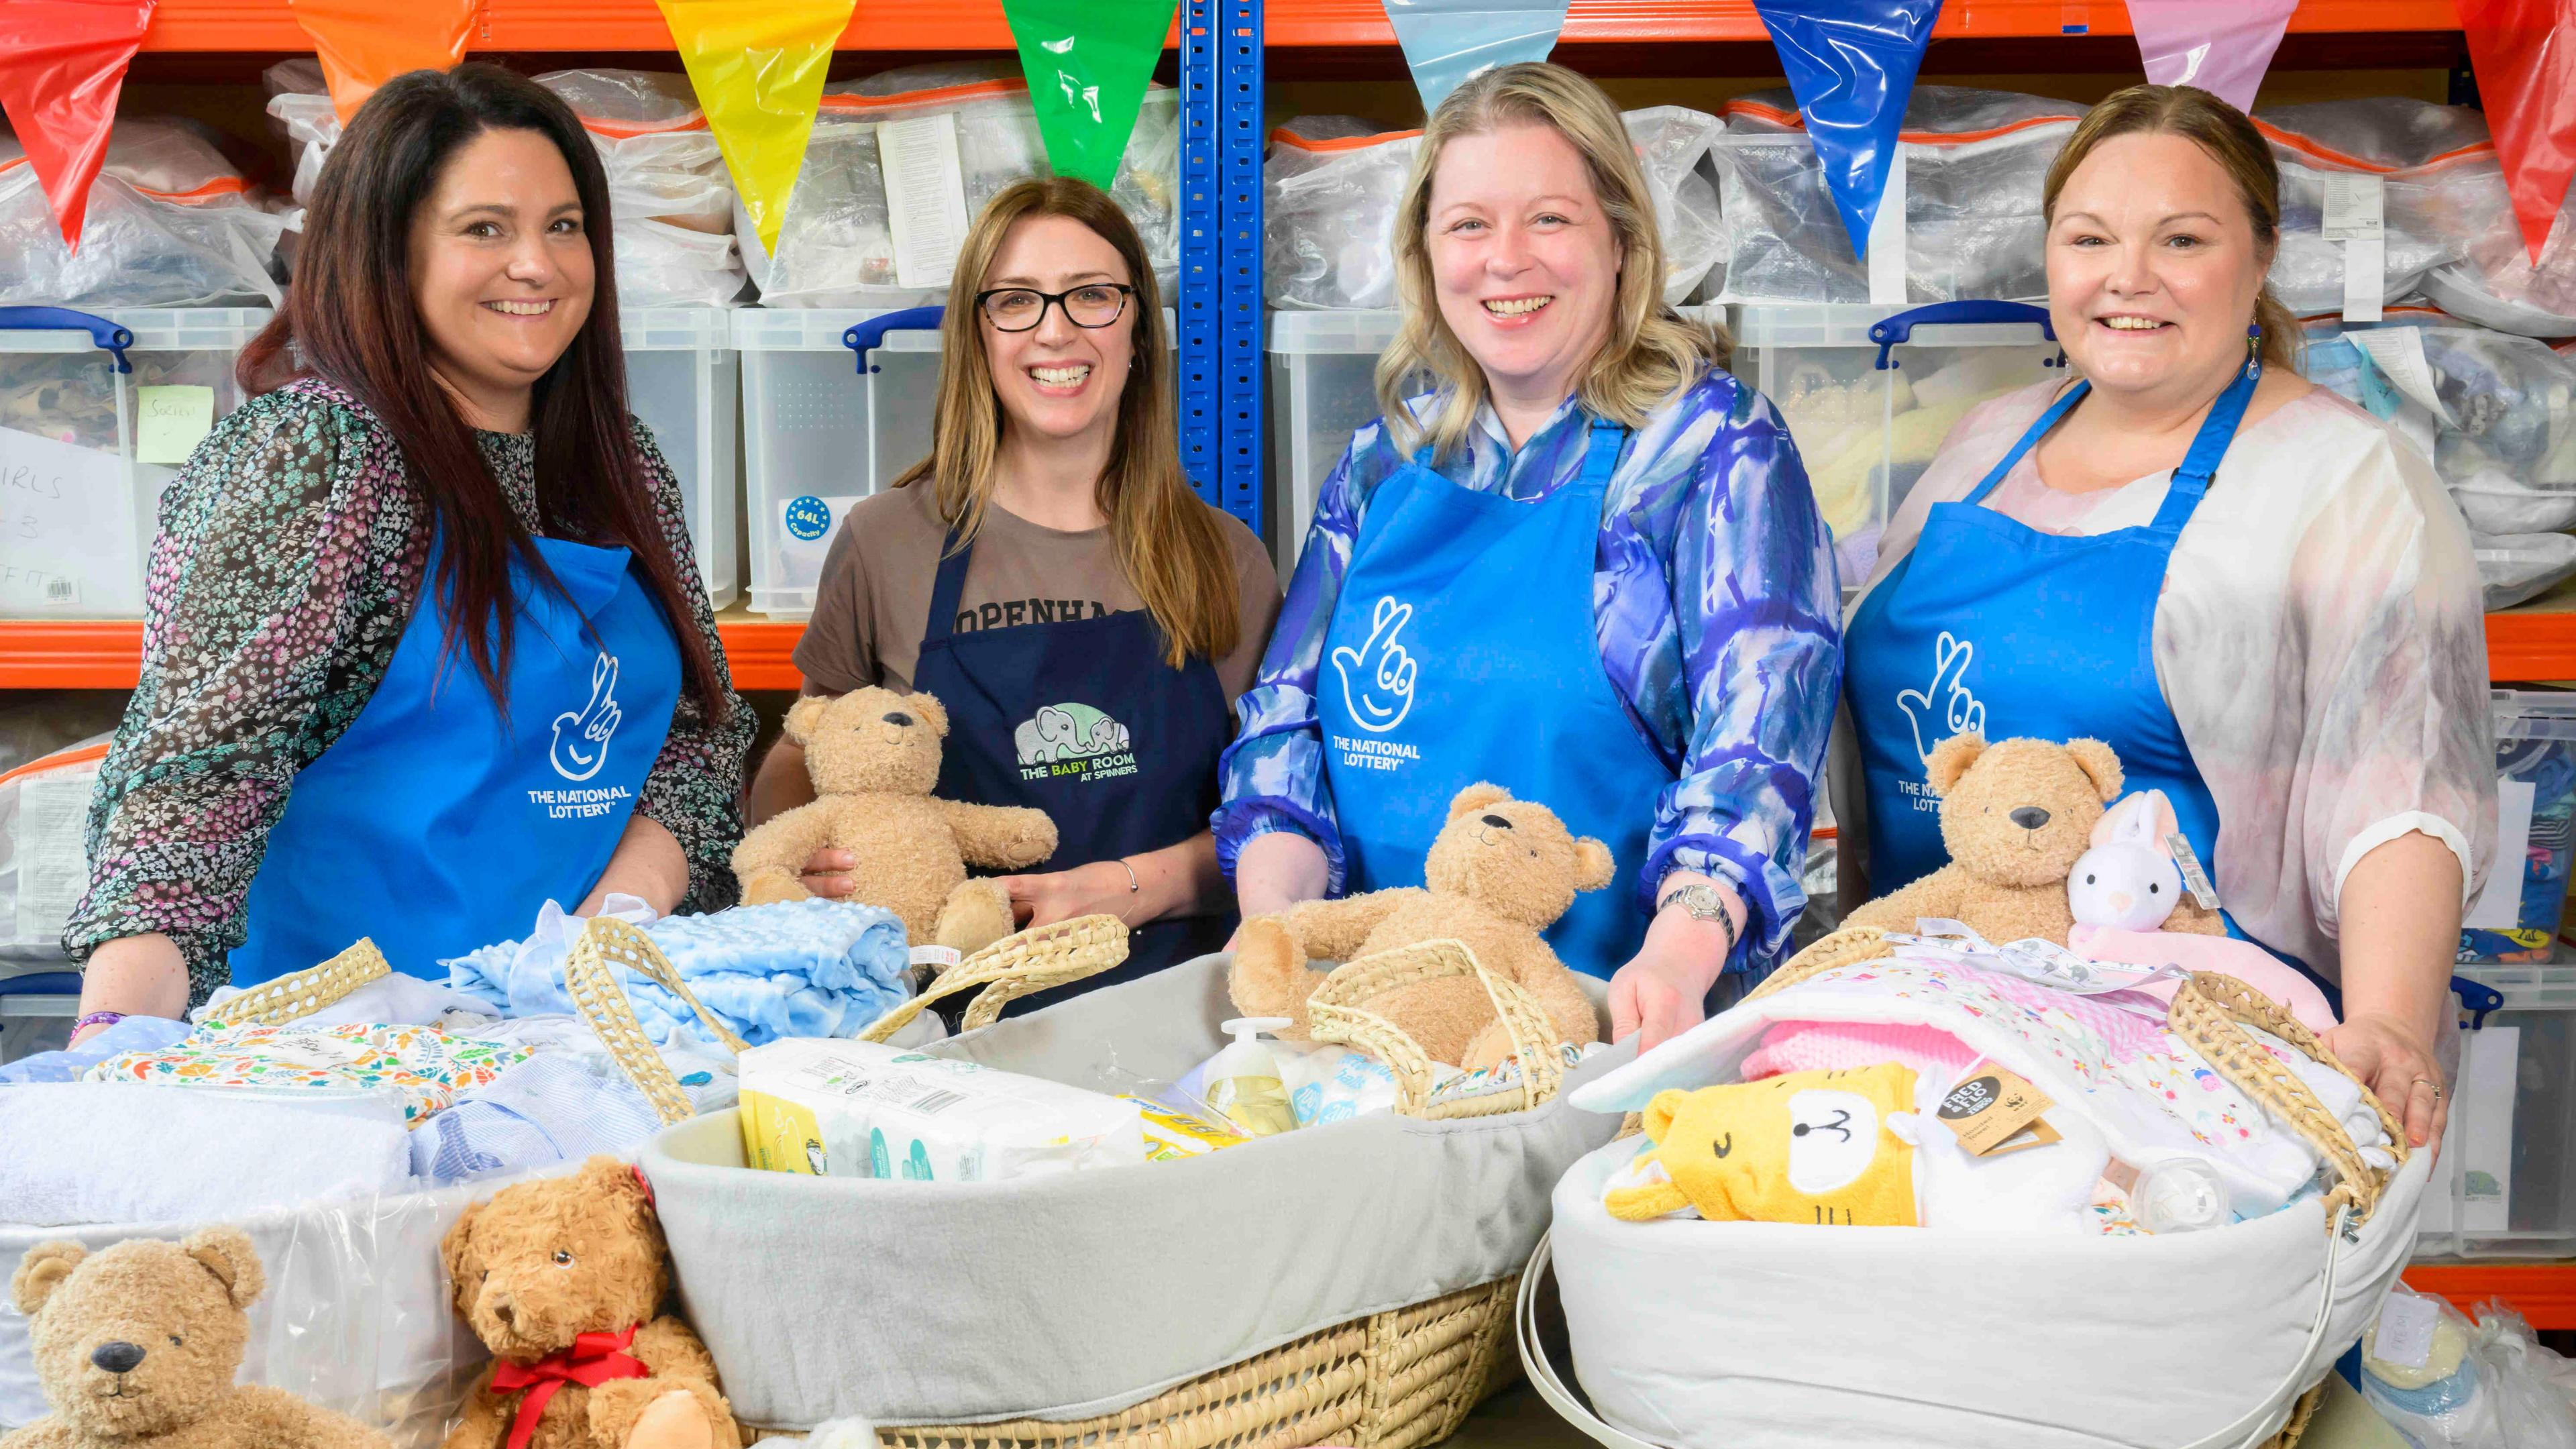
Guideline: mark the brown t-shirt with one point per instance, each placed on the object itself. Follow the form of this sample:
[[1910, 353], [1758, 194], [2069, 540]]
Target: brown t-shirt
[[873, 601]]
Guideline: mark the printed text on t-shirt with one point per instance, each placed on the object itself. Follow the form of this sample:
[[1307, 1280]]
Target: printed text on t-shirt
[[1014, 612]]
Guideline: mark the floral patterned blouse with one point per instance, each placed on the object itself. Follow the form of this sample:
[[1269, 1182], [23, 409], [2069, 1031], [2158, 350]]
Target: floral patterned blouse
[[291, 553]]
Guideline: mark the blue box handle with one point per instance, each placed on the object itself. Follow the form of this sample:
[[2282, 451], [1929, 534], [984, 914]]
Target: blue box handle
[[871, 334], [1895, 331], [102, 332], [2479, 998]]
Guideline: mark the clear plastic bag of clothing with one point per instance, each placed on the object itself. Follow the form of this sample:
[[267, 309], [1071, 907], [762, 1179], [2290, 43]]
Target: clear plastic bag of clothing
[[2446, 196], [2446, 1383], [2434, 169], [171, 223], [1975, 162], [1334, 182], [670, 197], [2495, 412], [44, 860], [836, 245], [356, 1317]]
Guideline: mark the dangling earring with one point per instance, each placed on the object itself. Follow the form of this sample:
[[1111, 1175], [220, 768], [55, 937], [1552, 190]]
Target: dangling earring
[[2254, 347]]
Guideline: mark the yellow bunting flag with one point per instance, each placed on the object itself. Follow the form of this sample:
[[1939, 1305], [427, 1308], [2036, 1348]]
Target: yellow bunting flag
[[364, 43], [758, 67]]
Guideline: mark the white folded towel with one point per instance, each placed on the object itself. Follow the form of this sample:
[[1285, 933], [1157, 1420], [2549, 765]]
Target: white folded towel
[[120, 1152]]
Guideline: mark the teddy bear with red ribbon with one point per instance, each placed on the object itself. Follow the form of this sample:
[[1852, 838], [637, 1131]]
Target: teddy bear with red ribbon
[[564, 1279]]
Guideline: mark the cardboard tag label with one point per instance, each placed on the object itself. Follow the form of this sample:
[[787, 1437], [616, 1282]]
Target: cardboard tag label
[[2365, 279], [2194, 879], [1990, 1106], [2398, 353], [2037, 1134], [2405, 1336], [2356, 206]]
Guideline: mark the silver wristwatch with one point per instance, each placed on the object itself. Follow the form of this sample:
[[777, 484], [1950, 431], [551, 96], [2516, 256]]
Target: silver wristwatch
[[1704, 904]]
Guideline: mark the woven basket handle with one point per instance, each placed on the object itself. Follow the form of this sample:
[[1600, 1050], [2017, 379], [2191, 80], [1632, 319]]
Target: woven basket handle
[[2211, 1011], [590, 978], [1017, 966], [1335, 1015], [302, 993]]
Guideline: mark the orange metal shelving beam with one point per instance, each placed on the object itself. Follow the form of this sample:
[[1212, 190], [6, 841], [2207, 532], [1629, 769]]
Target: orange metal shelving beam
[[2521, 648], [2544, 1293], [914, 25]]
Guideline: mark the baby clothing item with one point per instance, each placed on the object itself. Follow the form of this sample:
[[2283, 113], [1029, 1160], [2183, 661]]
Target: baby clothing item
[[421, 1065], [811, 968], [2046, 1189], [135, 1033], [558, 1107], [2244, 960], [1807, 1046], [1812, 1147], [1331, 1083], [102, 1152], [390, 1000]]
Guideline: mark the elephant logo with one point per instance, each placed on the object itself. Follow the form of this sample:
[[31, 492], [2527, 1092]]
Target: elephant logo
[[1069, 732]]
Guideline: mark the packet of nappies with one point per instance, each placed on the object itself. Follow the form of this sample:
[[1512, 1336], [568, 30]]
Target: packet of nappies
[[837, 1108]]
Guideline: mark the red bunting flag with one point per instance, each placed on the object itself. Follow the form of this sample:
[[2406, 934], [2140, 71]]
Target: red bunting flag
[[2524, 54], [365, 43], [62, 63]]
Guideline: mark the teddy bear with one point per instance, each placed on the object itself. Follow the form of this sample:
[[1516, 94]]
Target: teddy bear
[[2016, 816], [874, 756], [563, 1279], [1500, 872], [138, 1345], [1822, 1147]]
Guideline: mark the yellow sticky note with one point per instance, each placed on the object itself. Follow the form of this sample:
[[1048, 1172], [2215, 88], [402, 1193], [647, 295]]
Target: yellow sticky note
[[170, 422]]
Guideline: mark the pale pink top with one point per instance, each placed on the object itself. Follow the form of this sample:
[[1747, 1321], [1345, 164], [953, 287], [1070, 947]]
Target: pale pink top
[[2321, 640]]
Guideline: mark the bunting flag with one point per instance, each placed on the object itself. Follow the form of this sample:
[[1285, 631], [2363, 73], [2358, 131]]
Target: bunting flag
[[1446, 41], [1851, 64], [62, 63], [1088, 62], [758, 68], [2220, 46], [365, 43], [2524, 54]]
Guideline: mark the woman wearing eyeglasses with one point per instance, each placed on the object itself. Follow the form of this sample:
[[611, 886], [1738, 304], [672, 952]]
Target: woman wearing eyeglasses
[[1048, 575]]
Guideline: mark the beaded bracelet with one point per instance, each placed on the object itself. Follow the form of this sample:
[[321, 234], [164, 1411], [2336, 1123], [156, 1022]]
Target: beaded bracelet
[[97, 1018]]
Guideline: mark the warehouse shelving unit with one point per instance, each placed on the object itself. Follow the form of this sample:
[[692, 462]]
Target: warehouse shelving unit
[[1221, 45]]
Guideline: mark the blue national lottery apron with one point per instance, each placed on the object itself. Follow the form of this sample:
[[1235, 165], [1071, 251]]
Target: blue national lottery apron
[[432, 826], [1992, 626], [1464, 648], [1083, 719]]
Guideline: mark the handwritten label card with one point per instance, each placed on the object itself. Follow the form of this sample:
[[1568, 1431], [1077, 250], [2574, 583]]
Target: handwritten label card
[[171, 421]]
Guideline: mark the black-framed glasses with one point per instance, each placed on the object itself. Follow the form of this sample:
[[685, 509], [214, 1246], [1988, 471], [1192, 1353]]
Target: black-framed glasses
[[1018, 309]]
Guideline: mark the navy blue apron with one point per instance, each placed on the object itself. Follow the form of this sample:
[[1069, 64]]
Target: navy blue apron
[[1084, 720], [1464, 647], [432, 826], [1993, 626]]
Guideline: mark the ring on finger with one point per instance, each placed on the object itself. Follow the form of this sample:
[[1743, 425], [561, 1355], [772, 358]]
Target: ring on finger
[[2427, 1082]]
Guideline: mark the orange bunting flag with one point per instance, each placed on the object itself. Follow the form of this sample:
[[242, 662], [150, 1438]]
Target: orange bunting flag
[[365, 43]]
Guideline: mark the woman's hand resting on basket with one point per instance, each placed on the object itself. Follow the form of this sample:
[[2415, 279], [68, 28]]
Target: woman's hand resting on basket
[[2400, 1071]]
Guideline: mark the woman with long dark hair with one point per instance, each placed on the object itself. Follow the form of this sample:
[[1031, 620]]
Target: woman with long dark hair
[[425, 644]]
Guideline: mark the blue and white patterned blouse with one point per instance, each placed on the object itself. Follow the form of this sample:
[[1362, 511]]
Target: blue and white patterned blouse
[[1720, 627]]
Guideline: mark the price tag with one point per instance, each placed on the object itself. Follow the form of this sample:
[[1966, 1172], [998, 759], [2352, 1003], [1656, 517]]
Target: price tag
[[170, 422], [2194, 879], [2356, 205]]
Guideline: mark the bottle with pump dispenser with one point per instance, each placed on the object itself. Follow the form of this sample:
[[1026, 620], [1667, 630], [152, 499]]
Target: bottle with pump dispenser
[[1243, 1081]]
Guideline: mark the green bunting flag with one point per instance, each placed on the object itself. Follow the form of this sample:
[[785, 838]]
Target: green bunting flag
[[1088, 62]]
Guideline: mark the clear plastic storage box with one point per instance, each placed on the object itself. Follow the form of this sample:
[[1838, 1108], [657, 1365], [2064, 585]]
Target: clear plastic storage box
[[820, 434], [1323, 387], [2506, 1184], [78, 502], [2515, 918], [1870, 392], [682, 381]]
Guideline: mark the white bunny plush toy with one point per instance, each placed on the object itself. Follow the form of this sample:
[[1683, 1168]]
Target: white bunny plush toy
[[2128, 880]]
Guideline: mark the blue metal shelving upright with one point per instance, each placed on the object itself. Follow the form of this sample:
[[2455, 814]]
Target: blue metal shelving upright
[[1220, 302]]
